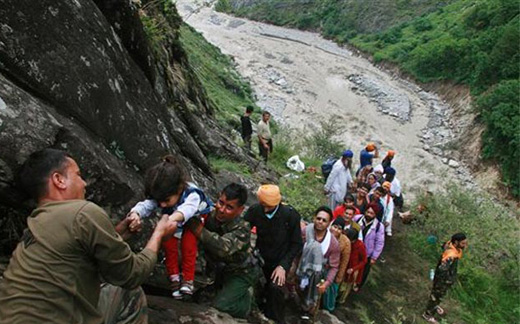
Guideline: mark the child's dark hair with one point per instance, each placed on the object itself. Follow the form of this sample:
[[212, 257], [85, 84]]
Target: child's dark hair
[[365, 185], [381, 190], [165, 179], [349, 197], [350, 208], [352, 234], [250, 108]]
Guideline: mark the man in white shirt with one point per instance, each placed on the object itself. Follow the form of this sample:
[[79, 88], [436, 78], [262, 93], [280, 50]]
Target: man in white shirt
[[265, 141], [339, 179]]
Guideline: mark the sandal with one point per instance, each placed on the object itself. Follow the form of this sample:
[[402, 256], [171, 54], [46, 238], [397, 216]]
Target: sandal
[[439, 310], [429, 318]]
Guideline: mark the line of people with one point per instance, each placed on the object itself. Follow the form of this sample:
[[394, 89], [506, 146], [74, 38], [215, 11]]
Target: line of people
[[70, 245]]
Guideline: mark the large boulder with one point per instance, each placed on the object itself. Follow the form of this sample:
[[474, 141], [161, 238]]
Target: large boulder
[[84, 76]]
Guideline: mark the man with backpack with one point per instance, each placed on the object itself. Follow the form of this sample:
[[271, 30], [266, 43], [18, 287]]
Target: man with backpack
[[339, 179]]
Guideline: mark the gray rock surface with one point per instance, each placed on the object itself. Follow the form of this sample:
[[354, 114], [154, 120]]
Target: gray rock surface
[[389, 100], [82, 76]]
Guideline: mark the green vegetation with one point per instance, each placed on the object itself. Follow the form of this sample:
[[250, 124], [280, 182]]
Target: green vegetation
[[227, 92], [304, 190], [218, 164], [489, 273], [474, 42], [160, 23]]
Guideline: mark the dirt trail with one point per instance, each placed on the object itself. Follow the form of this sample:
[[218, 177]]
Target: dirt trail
[[303, 79]]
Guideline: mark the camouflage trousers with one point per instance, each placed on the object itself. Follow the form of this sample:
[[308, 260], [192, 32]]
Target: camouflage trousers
[[122, 306], [439, 290], [237, 296]]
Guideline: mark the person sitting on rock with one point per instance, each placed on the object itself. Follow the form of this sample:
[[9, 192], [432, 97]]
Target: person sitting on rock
[[54, 275], [226, 239], [319, 262], [167, 187], [356, 264]]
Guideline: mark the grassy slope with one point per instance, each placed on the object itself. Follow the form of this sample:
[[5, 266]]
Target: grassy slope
[[488, 286], [227, 91]]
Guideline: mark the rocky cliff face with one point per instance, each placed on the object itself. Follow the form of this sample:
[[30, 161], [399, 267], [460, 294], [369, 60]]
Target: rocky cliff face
[[87, 77]]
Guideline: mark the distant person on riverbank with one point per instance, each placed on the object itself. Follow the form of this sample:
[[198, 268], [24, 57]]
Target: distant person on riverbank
[[279, 241], [69, 246], [445, 275], [247, 128], [339, 180], [265, 140], [167, 188]]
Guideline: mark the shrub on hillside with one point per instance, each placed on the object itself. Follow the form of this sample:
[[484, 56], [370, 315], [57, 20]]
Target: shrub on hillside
[[500, 111]]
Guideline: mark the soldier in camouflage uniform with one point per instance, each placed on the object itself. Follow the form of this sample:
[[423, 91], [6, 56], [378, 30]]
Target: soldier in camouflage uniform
[[226, 239], [445, 275]]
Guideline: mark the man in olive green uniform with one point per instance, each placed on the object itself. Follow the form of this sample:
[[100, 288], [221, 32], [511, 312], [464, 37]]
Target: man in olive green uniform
[[226, 238], [445, 275], [70, 243]]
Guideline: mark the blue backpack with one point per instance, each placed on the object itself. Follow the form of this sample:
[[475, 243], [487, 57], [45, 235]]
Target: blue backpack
[[326, 167]]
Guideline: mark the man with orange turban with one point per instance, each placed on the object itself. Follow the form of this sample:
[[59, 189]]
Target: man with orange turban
[[279, 241], [387, 161], [367, 155]]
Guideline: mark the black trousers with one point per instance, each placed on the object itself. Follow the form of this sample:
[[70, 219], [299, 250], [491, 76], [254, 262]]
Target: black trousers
[[274, 307], [263, 151]]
